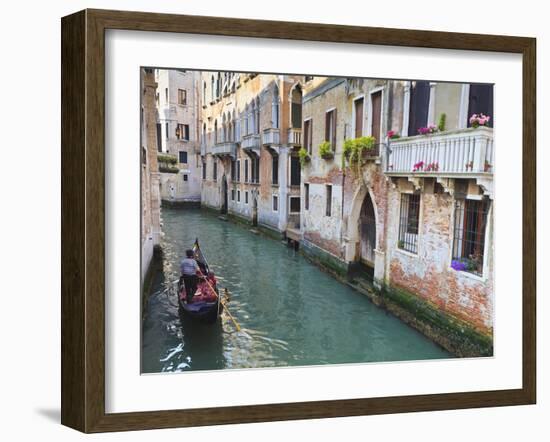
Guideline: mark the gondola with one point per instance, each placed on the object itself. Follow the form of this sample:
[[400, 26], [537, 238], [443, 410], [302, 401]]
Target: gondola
[[205, 303]]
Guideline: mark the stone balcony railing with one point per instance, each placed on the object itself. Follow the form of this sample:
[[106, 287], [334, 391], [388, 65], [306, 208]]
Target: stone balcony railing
[[251, 143], [270, 136], [464, 152], [227, 148], [203, 149], [294, 137]]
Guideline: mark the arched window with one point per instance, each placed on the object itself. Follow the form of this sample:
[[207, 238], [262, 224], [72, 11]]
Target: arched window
[[224, 129], [250, 119], [229, 128], [212, 90], [219, 89], [216, 132], [235, 127], [296, 107], [275, 108], [204, 133], [204, 92], [257, 116]]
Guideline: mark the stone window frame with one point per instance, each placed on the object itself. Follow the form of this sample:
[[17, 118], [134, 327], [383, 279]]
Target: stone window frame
[[275, 202], [382, 90], [353, 119], [290, 197], [328, 201], [488, 243], [420, 223]]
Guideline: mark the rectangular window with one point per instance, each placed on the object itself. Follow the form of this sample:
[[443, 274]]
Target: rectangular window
[[359, 117], [166, 95], [182, 132], [182, 96], [246, 197], [256, 169], [330, 128], [183, 157], [306, 196], [480, 100], [294, 204], [376, 123], [159, 137], [275, 169], [418, 107], [203, 170], [295, 171], [238, 196], [328, 203], [408, 222], [469, 235], [238, 170], [233, 171], [166, 126], [275, 203], [215, 171], [308, 135], [185, 177], [232, 194], [246, 171]]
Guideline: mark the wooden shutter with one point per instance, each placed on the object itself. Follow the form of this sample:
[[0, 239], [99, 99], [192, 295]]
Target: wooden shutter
[[376, 99]]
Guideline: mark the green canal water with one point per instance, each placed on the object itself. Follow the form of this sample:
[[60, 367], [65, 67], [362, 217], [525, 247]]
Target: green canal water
[[291, 313]]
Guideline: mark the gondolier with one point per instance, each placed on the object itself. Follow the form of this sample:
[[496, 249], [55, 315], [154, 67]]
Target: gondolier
[[189, 268], [199, 283]]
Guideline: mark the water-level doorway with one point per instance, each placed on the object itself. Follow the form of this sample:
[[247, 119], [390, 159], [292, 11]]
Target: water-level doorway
[[224, 195], [367, 231]]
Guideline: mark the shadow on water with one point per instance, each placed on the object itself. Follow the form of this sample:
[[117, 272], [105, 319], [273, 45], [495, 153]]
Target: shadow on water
[[290, 312]]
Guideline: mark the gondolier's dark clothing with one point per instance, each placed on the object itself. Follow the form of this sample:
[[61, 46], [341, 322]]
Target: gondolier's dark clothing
[[189, 267]]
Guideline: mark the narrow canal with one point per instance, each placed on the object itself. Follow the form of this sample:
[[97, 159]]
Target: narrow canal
[[291, 313]]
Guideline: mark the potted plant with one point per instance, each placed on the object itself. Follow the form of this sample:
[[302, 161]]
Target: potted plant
[[442, 122], [428, 130], [393, 135], [304, 156], [480, 119], [325, 151]]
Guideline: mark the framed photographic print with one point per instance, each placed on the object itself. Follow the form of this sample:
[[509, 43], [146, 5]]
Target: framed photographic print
[[270, 220]]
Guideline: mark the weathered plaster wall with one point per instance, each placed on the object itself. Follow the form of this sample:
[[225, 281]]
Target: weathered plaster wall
[[428, 274]]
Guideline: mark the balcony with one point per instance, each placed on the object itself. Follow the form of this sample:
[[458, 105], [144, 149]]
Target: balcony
[[251, 143], [462, 153], [294, 137], [270, 136], [227, 148], [271, 139]]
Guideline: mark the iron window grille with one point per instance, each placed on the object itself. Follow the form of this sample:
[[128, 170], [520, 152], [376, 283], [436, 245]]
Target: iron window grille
[[408, 222], [469, 235]]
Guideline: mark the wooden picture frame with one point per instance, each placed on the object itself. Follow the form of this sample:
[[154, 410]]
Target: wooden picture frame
[[83, 220]]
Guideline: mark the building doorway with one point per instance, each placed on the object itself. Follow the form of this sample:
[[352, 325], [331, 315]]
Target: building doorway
[[224, 195], [367, 231]]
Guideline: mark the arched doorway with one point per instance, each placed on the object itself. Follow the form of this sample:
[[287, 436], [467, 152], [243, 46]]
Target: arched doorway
[[367, 234], [224, 195]]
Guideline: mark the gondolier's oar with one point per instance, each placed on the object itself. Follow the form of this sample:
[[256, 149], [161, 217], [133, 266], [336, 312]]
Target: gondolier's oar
[[237, 326]]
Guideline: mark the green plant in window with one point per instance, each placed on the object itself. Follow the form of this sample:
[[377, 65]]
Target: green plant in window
[[325, 150], [304, 156], [354, 149], [166, 159], [401, 244]]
